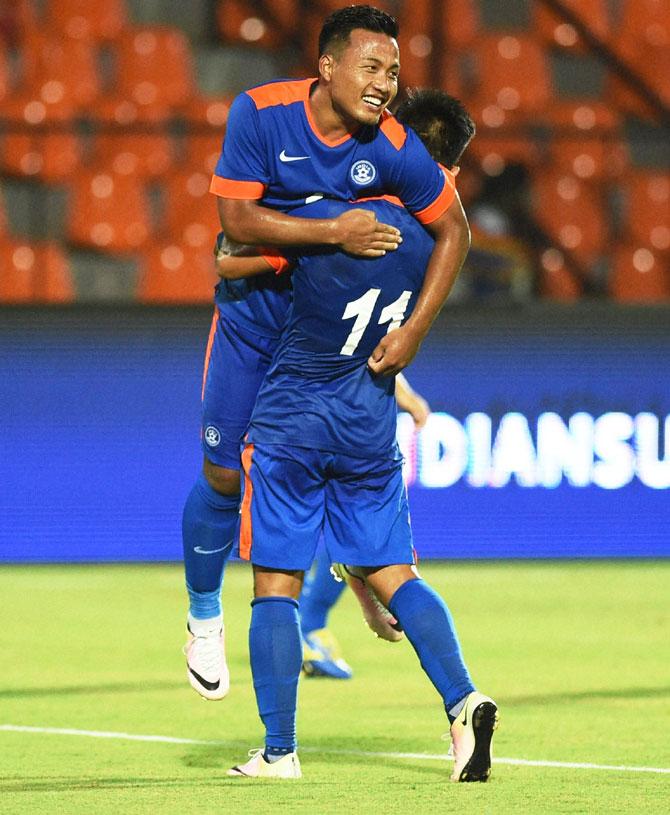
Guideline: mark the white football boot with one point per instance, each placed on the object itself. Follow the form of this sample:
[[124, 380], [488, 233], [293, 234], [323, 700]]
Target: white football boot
[[287, 766], [206, 666], [471, 737]]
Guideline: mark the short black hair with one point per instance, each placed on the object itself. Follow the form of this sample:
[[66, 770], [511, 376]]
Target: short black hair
[[339, 25], [440, 120]]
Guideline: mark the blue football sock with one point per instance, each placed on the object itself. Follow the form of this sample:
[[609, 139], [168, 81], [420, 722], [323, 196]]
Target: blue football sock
[[275, 652], [320, 592], [428, 625], [208, 529]]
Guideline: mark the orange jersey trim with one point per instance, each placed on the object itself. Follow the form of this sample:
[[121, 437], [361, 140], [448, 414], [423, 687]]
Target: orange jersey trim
[[287, 93], [246, 531], [276, 261], [392, 199], [443, 201], [242, 190], [393, 130], [208, 352], [281, 93]]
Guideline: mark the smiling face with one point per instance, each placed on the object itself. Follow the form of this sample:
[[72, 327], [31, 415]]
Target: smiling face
[[362, 77]]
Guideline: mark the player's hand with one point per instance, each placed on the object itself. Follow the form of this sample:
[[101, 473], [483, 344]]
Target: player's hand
[[360, 233], [394, 352]]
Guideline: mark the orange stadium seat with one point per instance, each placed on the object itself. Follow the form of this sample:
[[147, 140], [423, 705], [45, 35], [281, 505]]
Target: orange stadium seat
[[154, 66], [553, 29], [84, 20], [651, 63], [591, 159], [34, 273], [239, 21], [107, 212], [494, 153], [585, 117], [117, 111], [55, 67], [5, 72], [645, 21], [461, 23], [172, 273], [512, 75], [144, 155], [416, 42], [205, 120], [556, 281], [647, 208], [40, 140], [191, 217], [18, 18], [639, 275], [572, 213]]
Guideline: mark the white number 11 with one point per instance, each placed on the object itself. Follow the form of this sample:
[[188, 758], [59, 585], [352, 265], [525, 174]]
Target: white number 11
[[362, 310]]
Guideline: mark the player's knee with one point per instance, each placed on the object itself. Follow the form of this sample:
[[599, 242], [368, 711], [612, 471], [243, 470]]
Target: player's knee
[[388, 579], [222, 479], [277, 583]]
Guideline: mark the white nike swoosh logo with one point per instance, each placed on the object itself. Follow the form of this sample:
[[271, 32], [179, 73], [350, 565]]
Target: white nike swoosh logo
[[284, 157], [202, 551]]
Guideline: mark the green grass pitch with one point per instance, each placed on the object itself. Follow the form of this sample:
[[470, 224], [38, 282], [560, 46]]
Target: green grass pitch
[[577, 655]]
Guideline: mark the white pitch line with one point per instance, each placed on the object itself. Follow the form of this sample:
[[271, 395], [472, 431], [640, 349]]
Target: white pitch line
[[519, 762]]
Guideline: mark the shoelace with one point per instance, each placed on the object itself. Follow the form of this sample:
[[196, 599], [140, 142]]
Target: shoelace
[[208, 652], [447, 737]]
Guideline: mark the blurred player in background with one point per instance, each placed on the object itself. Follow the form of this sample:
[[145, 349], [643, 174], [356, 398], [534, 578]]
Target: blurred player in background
[[287, 143], [334, 466]]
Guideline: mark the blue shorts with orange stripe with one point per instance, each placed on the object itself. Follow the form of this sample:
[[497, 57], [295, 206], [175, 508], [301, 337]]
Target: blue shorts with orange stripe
[[292, 494], [235, 365]]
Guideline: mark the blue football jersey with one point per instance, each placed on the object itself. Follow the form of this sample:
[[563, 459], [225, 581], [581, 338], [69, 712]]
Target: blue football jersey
[[274, 153], [319, 392]]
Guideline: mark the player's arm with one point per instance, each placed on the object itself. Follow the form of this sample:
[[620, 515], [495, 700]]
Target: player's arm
[[234, 268], [243, 174], [411, 401], [247, 261], [356, 231], [237, 260], [452, 242]]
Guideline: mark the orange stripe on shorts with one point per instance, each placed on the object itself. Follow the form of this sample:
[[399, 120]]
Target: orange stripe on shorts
[[208, 352], [246, 536]]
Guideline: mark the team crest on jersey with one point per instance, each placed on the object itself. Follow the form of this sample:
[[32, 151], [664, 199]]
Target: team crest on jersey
[[363, 173], [212, 436]]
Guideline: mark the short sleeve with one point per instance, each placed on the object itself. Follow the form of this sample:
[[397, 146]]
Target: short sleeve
[[241, 171], [426, 188]]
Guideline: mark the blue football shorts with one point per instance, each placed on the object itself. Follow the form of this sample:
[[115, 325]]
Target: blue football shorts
[[292, 494], [235, 364]]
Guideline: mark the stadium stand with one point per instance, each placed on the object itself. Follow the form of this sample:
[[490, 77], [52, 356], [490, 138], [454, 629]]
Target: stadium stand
[[190, 219], [639, 275], [175, 273], [551, 28], [83, 20], [108, 212], [34, 273], [647, 208], [139, 94]]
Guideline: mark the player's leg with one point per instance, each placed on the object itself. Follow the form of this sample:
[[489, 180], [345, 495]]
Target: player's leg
[[422, 613], [320, 592], [235, 364], [428, 624], [208, 529], [282, 513]]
